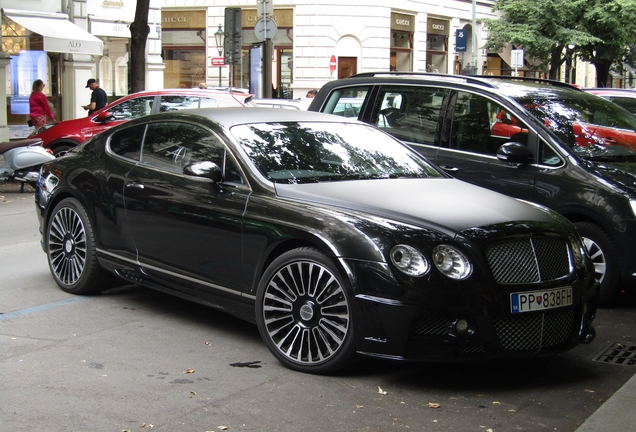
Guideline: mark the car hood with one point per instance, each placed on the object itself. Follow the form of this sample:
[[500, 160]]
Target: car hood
[[621, 174], [448, 205]]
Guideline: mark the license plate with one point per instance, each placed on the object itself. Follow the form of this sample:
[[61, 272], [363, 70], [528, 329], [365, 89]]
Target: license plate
[[540, 300]]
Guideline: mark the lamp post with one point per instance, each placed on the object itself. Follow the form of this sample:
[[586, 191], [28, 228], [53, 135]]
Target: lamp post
[[219, 36]]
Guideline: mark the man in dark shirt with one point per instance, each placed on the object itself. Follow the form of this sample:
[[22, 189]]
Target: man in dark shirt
[[98, 97]]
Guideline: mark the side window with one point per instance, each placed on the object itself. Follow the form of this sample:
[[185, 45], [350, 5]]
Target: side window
[[481, 125], [346, 102], [171, 146], [132, 108], [548, 156], [626, 102], [127, 142], [176, 103], [208, 103], [410, 113]]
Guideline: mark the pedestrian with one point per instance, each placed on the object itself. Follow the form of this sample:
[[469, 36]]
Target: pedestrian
[[98, 97], [39, 108], [311, 93]]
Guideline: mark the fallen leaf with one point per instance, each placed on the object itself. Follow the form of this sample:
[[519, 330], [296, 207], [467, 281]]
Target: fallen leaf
[[188, 371], [496, 403], [589, 391], [223, 427], [433, 405], [359, 406], [382, 392], [208, 343]]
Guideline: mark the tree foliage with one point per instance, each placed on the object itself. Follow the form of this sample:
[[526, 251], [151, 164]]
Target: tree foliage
[[139, 31], [601, 31]]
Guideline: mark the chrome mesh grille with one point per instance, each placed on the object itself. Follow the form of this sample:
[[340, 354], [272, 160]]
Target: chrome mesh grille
[[429, 326], [528, 260], [535, 331]]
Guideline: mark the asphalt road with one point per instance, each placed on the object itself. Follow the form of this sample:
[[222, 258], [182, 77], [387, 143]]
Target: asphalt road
[[134, 359]]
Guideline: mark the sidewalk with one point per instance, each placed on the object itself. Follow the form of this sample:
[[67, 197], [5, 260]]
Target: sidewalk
[[618, 414]]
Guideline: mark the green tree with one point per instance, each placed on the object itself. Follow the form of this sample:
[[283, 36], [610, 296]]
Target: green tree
[[139, 30], [613, 22], [542, 28]]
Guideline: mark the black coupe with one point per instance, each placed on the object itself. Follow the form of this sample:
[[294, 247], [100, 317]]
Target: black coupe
[[329, 234]]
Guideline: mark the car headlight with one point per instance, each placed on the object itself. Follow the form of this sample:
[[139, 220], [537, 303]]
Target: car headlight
[[409, 260], [451, 262], [578, 250]]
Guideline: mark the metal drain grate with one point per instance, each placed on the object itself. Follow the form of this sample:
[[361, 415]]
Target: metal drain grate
[[617, 353]]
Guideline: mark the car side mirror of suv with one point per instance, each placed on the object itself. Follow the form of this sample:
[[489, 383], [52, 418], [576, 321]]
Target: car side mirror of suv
[[203, 171], [515, 152]]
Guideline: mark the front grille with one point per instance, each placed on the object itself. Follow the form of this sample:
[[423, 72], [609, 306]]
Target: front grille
[[528, 260], [535, 331]]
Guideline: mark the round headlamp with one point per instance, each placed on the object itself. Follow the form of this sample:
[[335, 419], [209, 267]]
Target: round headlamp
[[451, 262], [409, 260]]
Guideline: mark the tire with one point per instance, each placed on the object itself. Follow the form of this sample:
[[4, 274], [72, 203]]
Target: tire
[[303, 312], [61, 150], [605, 260], [70, 250]]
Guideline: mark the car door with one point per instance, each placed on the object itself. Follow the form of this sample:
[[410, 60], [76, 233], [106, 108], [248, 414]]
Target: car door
[[187, 232], [474, 129]]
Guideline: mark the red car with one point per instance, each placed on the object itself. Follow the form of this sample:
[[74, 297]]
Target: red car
[[64, 135]]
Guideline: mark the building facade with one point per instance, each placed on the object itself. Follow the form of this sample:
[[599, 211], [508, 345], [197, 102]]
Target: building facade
[[311, 42], [318, 40], [64, 43]]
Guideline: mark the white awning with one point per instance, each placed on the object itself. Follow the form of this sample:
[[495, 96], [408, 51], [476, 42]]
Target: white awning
[[59, 34]]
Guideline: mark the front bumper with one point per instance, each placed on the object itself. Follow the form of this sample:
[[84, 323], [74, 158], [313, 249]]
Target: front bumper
[[460, 325]]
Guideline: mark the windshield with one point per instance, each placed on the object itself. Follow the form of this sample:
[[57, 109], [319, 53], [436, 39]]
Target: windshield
[[593, 127], [314, 151]]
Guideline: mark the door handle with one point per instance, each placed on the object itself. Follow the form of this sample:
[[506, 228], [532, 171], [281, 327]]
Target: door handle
[[449, 168], [135, 185]]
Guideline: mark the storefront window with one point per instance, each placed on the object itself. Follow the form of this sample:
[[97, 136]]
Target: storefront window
[[183, 41], [437, 46]]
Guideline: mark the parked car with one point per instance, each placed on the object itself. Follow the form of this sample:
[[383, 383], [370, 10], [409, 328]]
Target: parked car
[[298, 104], [625, 98], [331, 235], [64, 135], [537, 140]]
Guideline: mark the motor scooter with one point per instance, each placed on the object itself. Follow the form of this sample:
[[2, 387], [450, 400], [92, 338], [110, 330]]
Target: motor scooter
[[22, 160]]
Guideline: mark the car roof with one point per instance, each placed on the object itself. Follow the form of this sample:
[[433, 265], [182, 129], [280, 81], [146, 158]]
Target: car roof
[[611, 91], [189, 91], [228, 117], [483, 81]]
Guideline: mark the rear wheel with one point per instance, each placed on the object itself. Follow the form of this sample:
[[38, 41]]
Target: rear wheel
[[604, 257], [303, 312], [70, 248]]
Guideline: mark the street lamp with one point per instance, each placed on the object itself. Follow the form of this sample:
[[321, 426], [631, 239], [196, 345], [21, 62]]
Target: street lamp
[[220, 38]]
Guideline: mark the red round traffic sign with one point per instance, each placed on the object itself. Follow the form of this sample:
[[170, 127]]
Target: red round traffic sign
[[332, 64]]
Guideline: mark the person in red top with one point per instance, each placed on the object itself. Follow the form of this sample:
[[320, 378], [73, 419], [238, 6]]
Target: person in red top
[[39, 108]]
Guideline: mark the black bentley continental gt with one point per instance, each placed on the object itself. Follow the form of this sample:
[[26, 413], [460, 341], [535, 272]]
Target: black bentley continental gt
[[329, 234]]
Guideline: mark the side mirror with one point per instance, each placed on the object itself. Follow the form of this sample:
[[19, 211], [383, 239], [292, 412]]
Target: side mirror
[[103, 117], [515, 152], [203, 171]]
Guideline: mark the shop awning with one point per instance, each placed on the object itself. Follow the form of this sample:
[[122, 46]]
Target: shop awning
[[59, 34]]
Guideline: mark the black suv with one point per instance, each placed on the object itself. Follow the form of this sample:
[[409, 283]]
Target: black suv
[[537, 140]]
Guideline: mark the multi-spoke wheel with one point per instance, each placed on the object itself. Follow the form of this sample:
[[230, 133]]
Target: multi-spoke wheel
[[304, 314], [604, 258], [70, 249]]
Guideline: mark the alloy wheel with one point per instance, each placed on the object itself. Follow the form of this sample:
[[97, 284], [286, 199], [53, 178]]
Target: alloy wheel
[[67, 246], [306, 313]]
